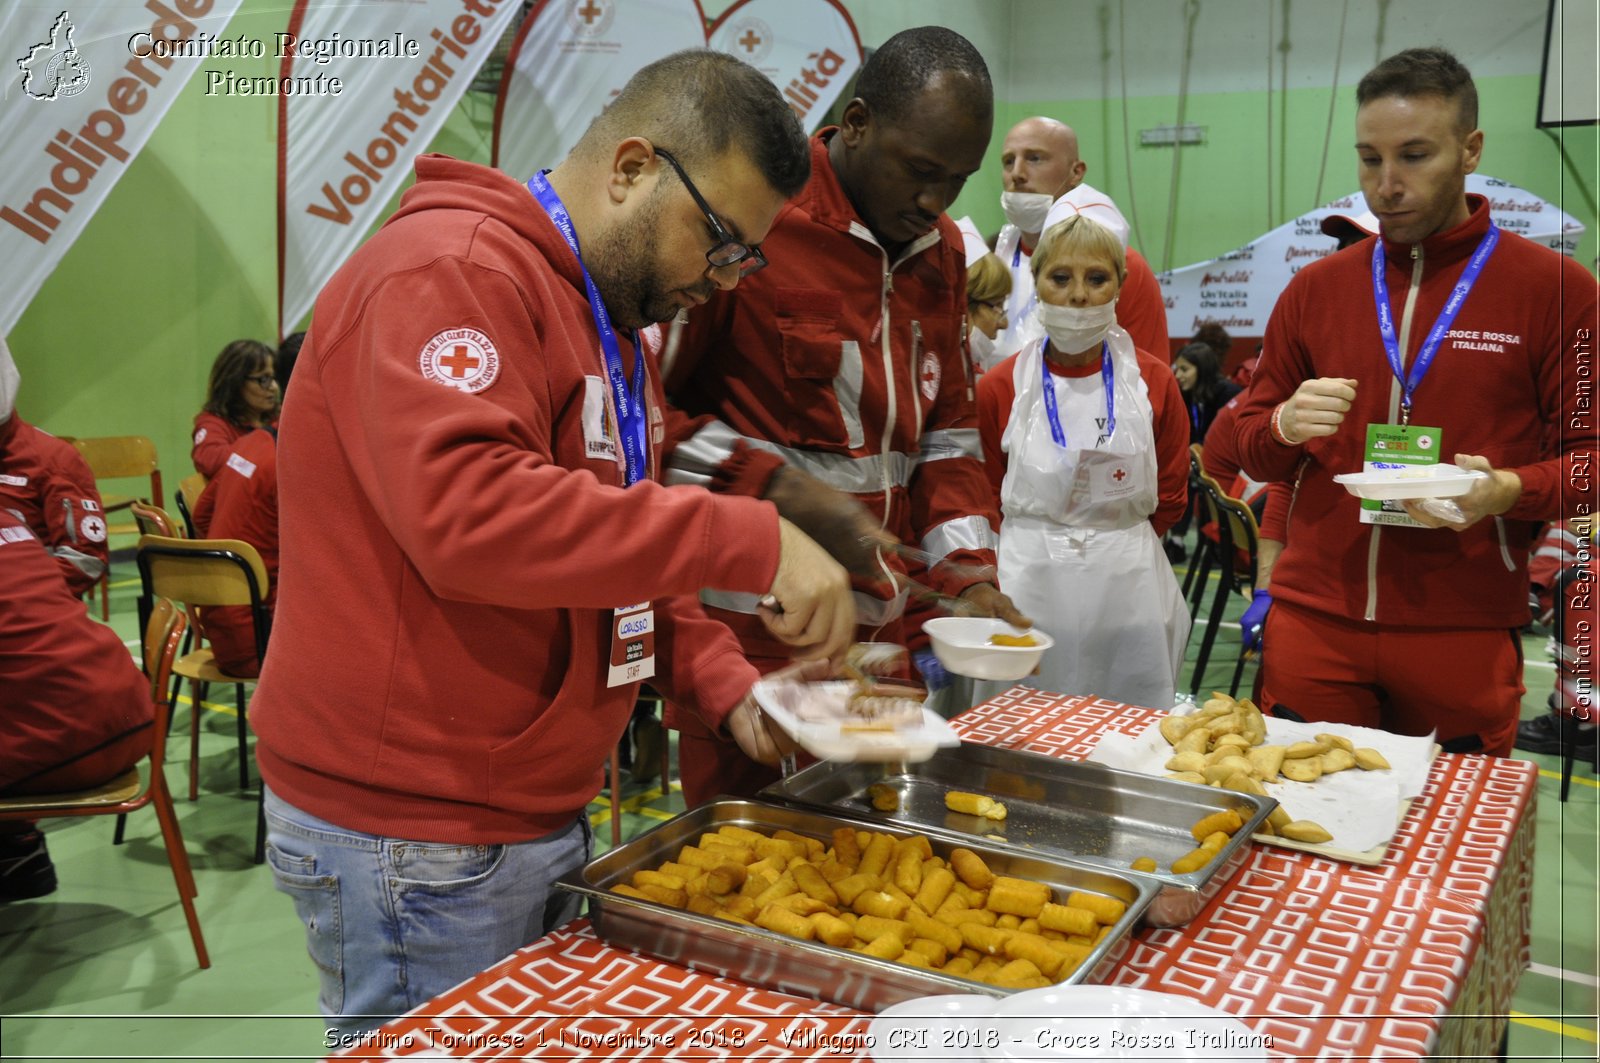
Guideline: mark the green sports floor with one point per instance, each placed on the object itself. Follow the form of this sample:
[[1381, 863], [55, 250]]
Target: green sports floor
[[103, 969]]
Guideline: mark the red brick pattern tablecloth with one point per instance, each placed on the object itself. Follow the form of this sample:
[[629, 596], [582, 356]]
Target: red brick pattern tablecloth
[[1417, 956]]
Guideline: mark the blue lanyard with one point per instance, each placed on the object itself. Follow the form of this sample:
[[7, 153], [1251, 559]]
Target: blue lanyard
[[1053, 415], [1430, 346], [630, 404]]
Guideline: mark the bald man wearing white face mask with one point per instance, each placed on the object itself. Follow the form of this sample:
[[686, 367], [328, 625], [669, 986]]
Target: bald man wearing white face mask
[[1041, 163]]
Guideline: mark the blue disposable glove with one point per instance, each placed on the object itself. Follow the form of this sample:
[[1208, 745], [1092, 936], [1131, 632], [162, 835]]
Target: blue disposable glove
[[934, 677], [1254, 619]]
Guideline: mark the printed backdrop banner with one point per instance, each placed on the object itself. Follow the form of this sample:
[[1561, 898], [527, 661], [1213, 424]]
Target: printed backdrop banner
[[569, 60], [1239, 289], [809, 48], [402, 65], [83, 89]]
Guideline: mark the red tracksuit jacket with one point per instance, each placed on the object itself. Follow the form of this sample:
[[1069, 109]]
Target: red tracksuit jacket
[[48, 485], [847, 365], [69, 692], [241, 502], [1509, 371]]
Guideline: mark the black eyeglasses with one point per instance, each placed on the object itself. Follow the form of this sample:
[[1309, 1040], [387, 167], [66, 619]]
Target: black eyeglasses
[[265, 380], [728, 251]]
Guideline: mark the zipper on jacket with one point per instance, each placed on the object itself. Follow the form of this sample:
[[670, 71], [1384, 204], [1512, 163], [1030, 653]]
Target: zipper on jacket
[[889, 383], [881, 333], [1394, 411]]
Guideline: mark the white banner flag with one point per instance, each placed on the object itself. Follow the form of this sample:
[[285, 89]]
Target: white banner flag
[[809, 48], [83, 90], [366, 87], [1239, 289], [570, 59]]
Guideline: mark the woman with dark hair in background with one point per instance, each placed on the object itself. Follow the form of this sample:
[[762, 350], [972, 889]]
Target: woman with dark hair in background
[[241, 396], [1199, 373]]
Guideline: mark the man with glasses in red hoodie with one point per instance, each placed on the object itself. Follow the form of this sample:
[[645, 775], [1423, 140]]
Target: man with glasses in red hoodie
[[478, 567]]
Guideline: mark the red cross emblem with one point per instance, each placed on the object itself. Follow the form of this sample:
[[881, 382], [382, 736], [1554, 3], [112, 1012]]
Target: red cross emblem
[[1120, 475], [750, 40], [589, 12], [930, 375], [461, 358]]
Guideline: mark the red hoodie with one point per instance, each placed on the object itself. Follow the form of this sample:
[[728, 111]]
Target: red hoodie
[[1512, 365], [450, 558]]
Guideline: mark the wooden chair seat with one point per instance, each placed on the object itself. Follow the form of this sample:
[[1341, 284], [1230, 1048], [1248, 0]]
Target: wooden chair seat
[[201, 666], [124, 787]]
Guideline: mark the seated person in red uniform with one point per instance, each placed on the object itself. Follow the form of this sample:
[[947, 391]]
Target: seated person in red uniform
[[241, 502], [46, 484], [76, 708], [242, 396]]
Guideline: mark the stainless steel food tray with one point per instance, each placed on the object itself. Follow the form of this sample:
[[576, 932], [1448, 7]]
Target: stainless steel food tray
[[811, 969], [1071, 809]]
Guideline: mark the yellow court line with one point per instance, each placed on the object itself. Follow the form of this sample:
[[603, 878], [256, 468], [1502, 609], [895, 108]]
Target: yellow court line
[[1556, 775], [212, 706], [1565, 1029]]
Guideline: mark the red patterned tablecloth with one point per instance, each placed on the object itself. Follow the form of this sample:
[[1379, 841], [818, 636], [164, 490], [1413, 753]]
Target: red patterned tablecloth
[[1416, 957]]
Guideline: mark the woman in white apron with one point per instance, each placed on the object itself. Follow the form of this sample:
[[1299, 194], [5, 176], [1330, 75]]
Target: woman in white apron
[[1078, 551]]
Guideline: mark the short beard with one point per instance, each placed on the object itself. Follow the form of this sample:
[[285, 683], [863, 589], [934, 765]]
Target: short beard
[[625, 268]]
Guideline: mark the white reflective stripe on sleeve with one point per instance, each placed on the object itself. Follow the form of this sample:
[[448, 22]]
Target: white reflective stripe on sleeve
[[952, 443], [695, 460], [92, 567], [847, 389], [963, 533]]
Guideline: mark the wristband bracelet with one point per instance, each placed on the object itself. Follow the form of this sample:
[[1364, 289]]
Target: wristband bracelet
[[1277, 426]]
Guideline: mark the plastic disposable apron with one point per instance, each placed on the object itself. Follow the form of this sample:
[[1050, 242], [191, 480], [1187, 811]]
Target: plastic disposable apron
[[1077, 552], [1022, 304]]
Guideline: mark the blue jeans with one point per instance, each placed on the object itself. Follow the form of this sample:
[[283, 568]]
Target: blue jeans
[[392, 923]]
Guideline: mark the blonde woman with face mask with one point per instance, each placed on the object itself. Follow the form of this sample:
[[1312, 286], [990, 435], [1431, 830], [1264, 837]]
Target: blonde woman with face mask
[[988, 287], [1086, 445]]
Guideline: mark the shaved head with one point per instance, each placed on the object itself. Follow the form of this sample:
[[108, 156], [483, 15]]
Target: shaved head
[[1041, 155]]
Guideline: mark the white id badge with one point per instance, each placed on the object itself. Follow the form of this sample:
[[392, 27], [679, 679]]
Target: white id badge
[[633, 645], [599, 440]]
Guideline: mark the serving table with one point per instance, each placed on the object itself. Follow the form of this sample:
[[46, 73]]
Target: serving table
[[1416, 957]]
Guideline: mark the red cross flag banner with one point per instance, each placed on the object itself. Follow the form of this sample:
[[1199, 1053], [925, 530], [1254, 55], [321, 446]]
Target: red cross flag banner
[[1240, 288], [83, 90], [570, 59], [380, 77], [809, 48]]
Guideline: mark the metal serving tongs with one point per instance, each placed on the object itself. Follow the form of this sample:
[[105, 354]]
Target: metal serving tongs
[[956, 606]]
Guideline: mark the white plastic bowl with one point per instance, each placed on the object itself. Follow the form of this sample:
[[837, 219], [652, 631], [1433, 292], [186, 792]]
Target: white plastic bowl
[[1417, 481], [962, 645]]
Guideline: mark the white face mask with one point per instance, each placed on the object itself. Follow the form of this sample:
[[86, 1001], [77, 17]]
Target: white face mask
[[1026, 210], [9, 380], [982, 348], [1074, 329]]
